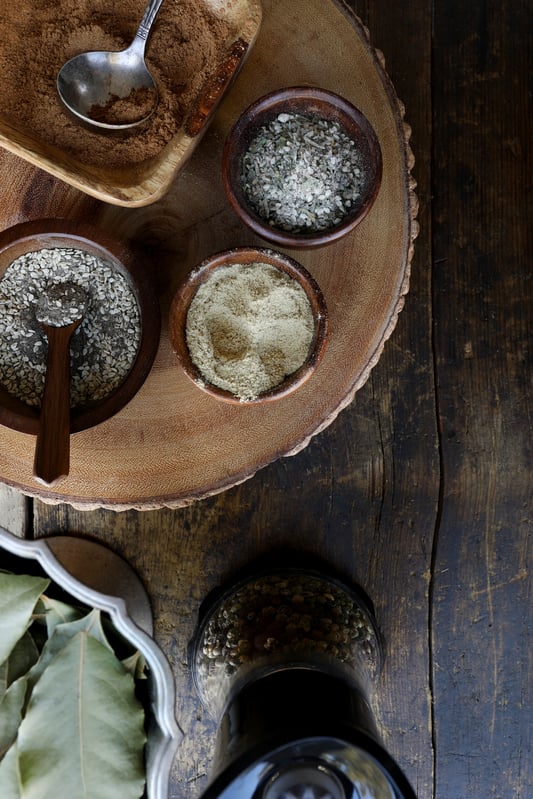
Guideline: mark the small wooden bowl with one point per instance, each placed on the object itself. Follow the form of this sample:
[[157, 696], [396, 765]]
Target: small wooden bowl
[[247, 255], [51, 233], [307, 101]]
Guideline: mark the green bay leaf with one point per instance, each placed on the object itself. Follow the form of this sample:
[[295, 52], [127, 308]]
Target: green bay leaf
[[56, 612], [91, 623], [23, 656], [83, 733], [11, 713], [9, 777], [136, 665], [18, 596]]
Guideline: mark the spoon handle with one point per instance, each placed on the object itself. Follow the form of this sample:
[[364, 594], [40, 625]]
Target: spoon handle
[[148, 19], [52, 450]]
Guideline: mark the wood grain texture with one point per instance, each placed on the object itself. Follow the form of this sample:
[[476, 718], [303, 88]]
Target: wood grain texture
[[363, 495], [160, 449], [483, 301], [421, 488], [52, 448], [15, 511]]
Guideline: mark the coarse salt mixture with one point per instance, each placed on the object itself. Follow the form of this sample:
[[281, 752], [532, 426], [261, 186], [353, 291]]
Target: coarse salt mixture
[[104, 346], [248, 327], [302, 173]]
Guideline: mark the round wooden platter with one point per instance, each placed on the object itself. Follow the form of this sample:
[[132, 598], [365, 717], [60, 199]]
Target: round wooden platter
[[173, 444]]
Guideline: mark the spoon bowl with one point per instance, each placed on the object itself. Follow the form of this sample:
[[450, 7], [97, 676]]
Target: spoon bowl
[[112, 90]]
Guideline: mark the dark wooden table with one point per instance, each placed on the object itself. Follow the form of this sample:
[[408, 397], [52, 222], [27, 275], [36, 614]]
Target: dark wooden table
[[422, 489]]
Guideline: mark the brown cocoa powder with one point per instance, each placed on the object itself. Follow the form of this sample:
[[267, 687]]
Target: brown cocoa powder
[[187, 43], [125, 110]]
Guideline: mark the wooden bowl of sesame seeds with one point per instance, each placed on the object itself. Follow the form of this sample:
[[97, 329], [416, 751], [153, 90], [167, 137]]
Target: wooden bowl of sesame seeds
[[249, 325], [113, 349], [302, 167]]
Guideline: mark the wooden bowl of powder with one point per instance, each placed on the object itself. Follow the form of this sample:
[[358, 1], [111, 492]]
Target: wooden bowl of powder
[[195, 52], [249, 325], [302, 167], [113, 349]]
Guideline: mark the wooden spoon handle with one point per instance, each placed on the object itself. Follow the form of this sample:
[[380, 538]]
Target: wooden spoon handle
[[52, 450]]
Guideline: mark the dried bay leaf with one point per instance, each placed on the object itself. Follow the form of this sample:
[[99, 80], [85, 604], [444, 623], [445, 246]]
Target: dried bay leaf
[[91, 623], [18, 596], [136, 665], [83, 733], [56, 612], [11, 713], [23, 656], [9, 775]]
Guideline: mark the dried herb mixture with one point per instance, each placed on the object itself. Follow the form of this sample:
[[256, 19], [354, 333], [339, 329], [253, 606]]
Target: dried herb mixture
[[302, 173]]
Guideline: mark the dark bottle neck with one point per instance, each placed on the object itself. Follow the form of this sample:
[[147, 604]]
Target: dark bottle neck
[[289, 705]]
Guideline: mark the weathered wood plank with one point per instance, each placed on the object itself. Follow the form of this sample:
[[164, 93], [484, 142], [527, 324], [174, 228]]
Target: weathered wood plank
[[363, 496], [15, 511], [409, 482], [365, 493], [484, 319]]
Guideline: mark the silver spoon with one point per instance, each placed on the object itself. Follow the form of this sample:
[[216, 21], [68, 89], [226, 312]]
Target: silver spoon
[[59, 311], [92, 84]]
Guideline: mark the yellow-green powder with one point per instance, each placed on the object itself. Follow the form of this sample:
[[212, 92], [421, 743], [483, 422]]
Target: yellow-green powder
[[248, 327]]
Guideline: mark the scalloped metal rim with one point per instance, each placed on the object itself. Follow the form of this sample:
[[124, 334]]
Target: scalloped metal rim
[[162, 744]]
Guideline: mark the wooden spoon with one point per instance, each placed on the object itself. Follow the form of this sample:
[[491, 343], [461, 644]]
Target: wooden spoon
[[59, 312]]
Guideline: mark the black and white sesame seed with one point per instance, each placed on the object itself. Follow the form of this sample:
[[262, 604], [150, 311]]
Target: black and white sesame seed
[[103, 348]]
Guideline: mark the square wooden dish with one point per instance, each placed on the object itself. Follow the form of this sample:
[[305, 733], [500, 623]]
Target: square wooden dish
[[195, 51]]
